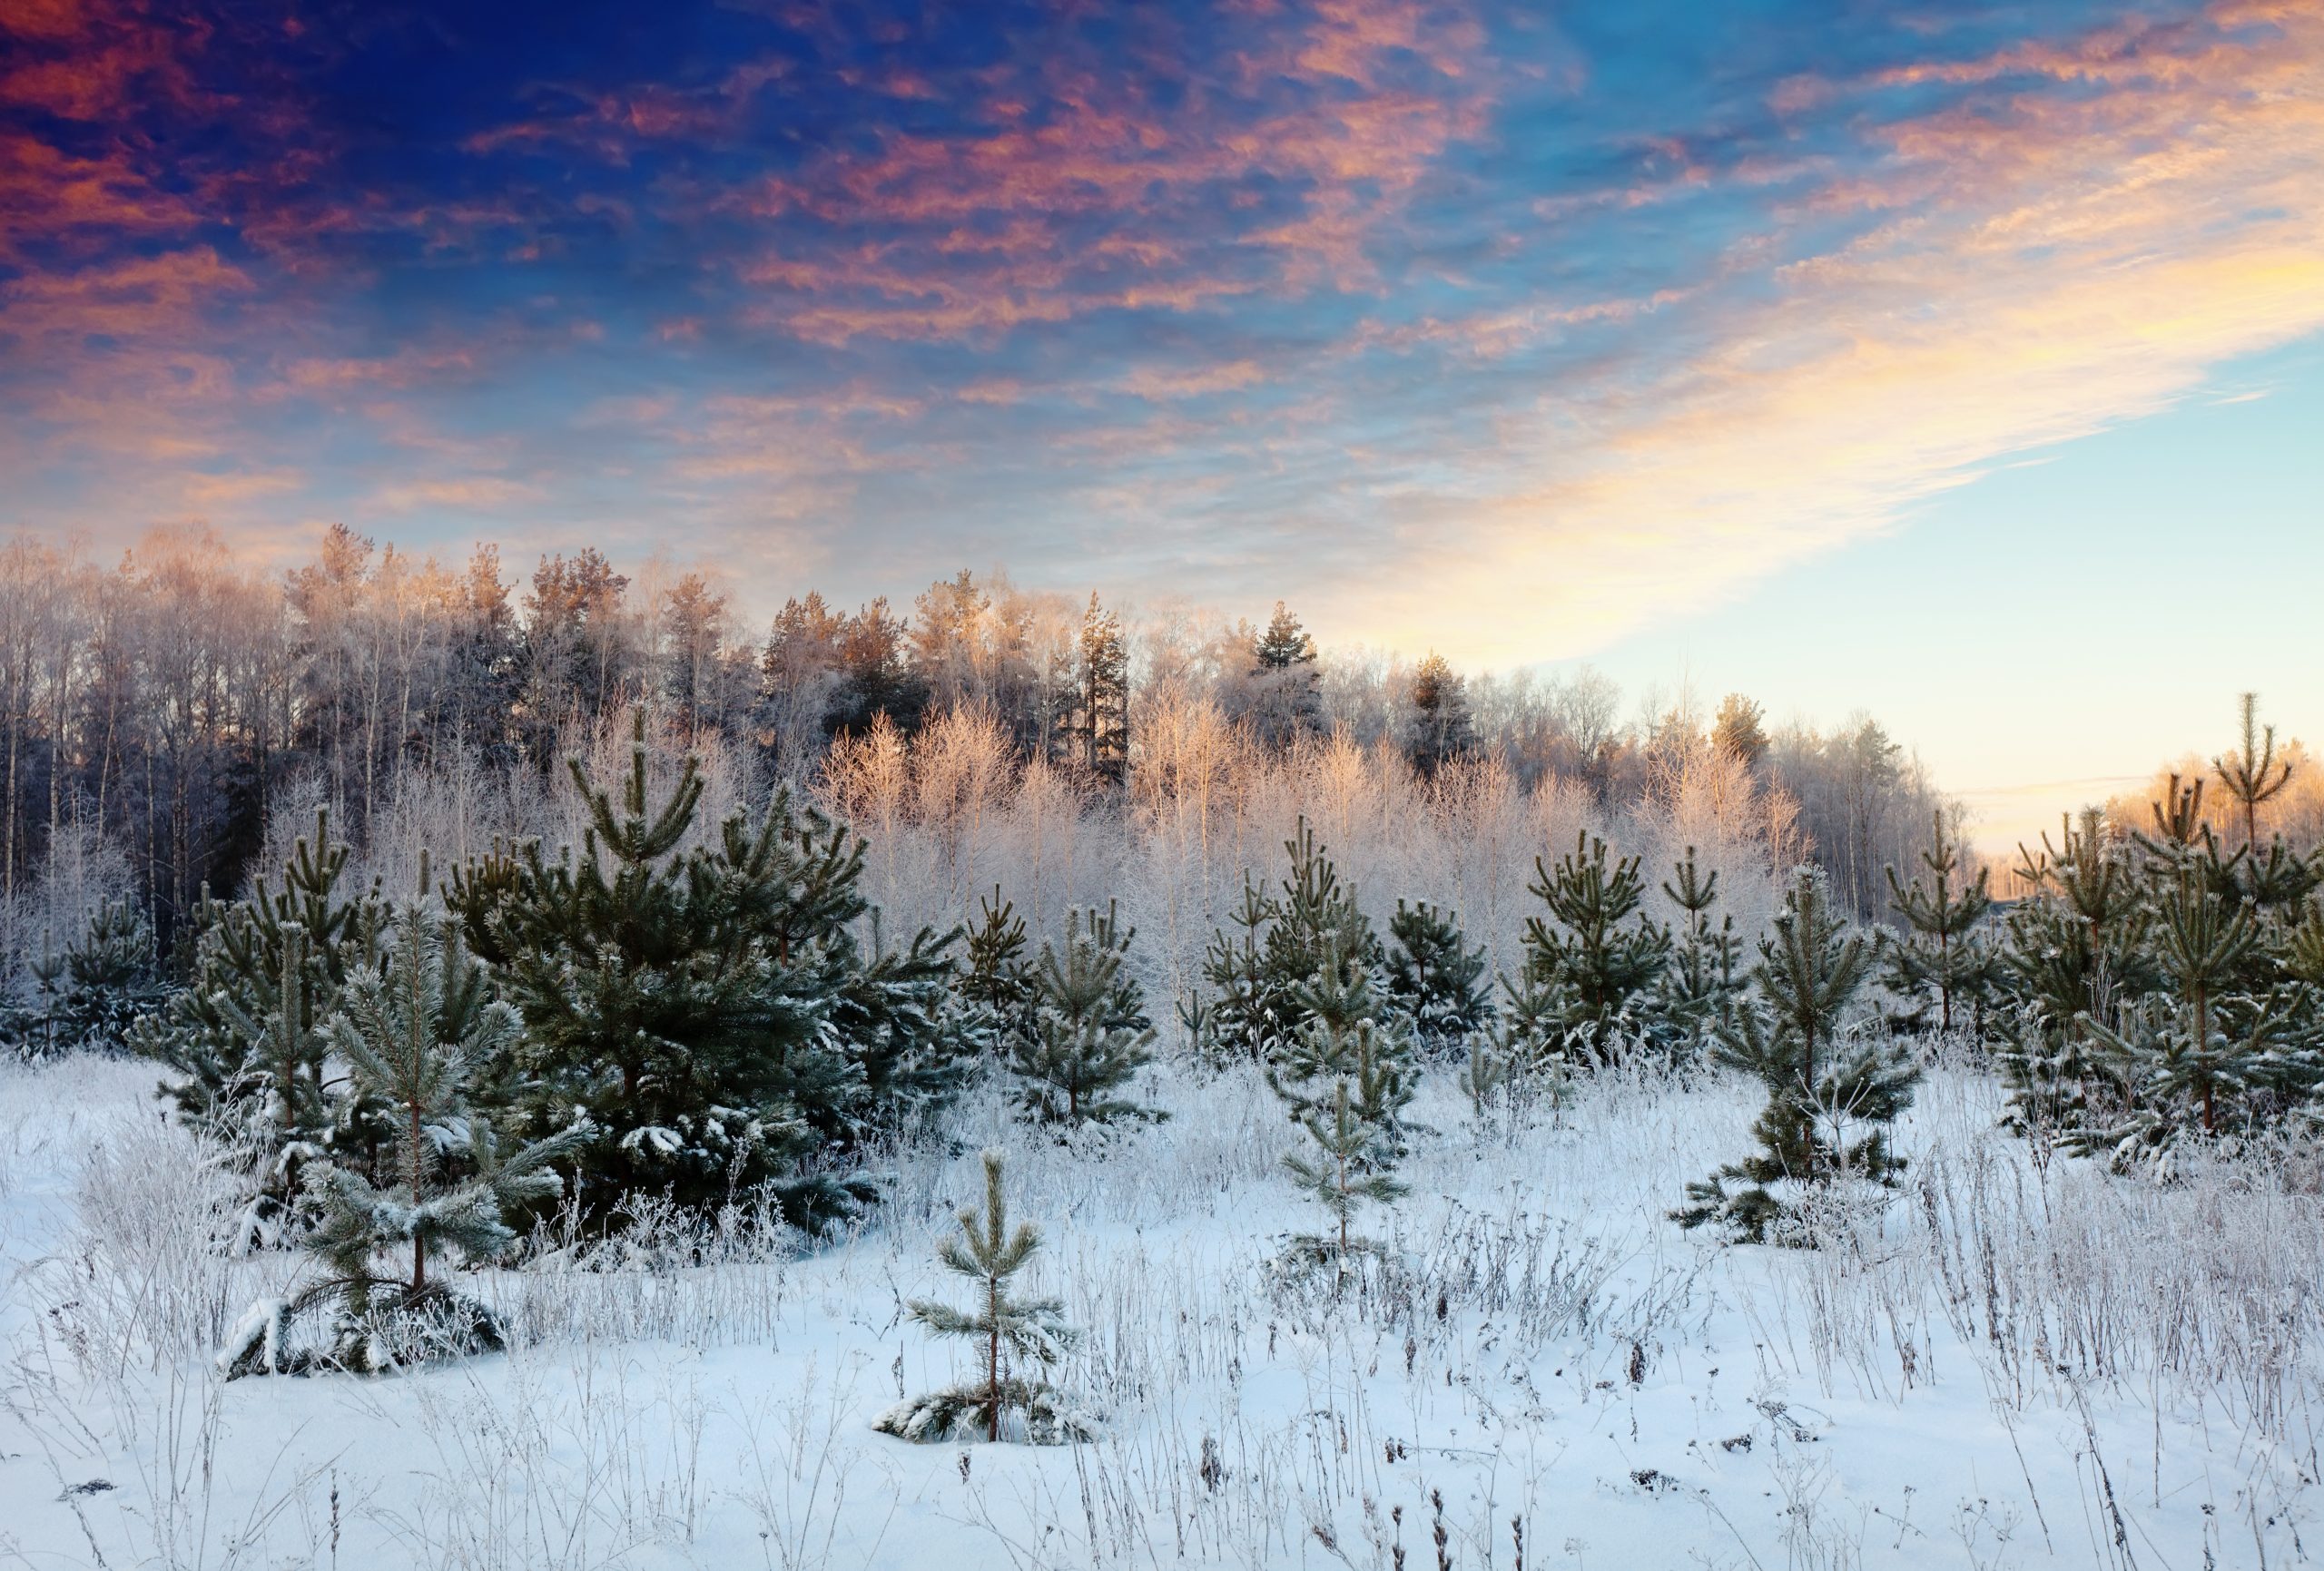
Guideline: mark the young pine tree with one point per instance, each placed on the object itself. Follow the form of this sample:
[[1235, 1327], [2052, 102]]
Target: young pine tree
[[1943, 953], [2209, 1050], [1699, 986], [1090, 1035], [1821, 1082], [1005, 1329], [1433, 978], [1351, 1163], [242, 1041], [2073, 955], [996, 977], [2253, 774], [414, 1033], [708, 1009], [1601, 954]]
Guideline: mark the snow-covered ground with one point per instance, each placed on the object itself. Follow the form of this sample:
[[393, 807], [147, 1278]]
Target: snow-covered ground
[[2003, 1367]]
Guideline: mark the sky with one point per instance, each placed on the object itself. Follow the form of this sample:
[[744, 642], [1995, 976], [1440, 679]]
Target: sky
[[1955, 362]]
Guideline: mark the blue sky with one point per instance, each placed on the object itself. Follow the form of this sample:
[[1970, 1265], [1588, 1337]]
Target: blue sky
[[1853, 355]]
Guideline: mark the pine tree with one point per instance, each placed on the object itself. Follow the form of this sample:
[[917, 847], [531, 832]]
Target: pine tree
[[1737, 732], [1238, 1020], [1284, 679], [1006, 1328], [2253, 774], [1438, 727], [2210, 1045], [1282, 943], [1352, 1164], [1943, 953], [996, 977], [1341, 1027], [1699, 986], [1102, 724], [1433, 978], [2074, 954], [709, 1009], [1821, 1080], [243, 1002], [414, 1034], [1090, 1035], [1596, 955]]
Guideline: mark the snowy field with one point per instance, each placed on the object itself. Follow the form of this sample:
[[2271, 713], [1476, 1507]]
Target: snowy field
[[2004, 1366]]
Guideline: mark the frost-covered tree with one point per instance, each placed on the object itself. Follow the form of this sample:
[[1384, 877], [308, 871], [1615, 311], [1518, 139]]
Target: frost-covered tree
[[1341, 1028], [2208, 1048], [1832, 1091], [2074, 954], [1435, 980], [1942, 952], [1090, 1034], [1281, 944], [242, 1044], [1007, 1331], [414, 1034], [1599, 949], [1437, 725], [709, 1009], [1352, 1163]]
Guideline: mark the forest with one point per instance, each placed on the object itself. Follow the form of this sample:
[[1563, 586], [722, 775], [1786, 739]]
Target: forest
[[562, 965]]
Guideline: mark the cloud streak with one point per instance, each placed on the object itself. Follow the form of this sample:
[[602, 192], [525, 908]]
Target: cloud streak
[[1482, 333]]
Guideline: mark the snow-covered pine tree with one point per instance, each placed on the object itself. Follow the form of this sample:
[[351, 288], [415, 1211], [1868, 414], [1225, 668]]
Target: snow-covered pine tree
[[1437, 727], [1702, 980], [1090, 1034], [2210, 1051], [242, 1041], [1280, 945], [1603, 953], [709, 1009], [2072, 953], [110, 981], [1353, 1161], [1822, 1077], [1433, 979], [1342, 1028], [1006, 1330], [414, 1033], [1943, 953]]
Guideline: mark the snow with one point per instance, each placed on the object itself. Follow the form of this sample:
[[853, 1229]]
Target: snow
[[2003, 1366]]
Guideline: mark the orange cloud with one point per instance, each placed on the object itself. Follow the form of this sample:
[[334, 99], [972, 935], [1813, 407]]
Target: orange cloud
[[2055, 264]]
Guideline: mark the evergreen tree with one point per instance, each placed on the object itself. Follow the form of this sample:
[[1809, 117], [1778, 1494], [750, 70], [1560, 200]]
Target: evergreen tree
[[996, 977], [91, 993], [1007, 1330], [2074, 954], [243, 1041], [1700, 984], [414, 1034], [1736, 729], [1433, 978], [1341, 1027], [1285, 703], [1599, 958], [2253, 774], [1437, 725], [708, 1009], [1102, 727], [1284, 942], [2209, 1048], [1090, 1036], [1820, 1079], [1351, 1163], [1239, 1020], [1943, 953]]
